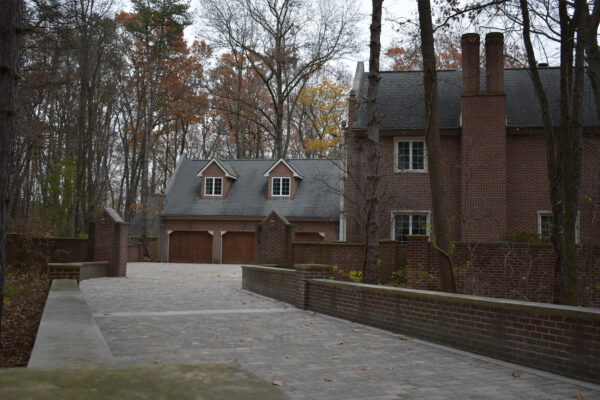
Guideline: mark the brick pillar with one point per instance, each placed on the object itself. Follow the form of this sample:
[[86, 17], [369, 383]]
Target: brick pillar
[[483, 150], [110, 242], [274, 237], [304, 273]]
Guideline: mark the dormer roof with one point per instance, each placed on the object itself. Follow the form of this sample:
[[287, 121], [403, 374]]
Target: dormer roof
[[228, 172], [296, 173]]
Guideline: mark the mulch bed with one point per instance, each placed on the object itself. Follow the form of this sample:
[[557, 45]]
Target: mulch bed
[[21, 317]]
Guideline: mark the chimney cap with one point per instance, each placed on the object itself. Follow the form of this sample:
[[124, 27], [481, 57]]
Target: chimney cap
[[470, 37], [494, 36]]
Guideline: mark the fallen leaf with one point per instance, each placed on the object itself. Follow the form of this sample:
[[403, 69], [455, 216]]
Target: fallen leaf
[[327, 379], [307, 324], [578, 396], [402, 337], [242, 340], [516, 374], [335, 356], [269, 372], [243, 302], [366, 368], [314, 314], [340, 342], [277, 383], [219, 337], [156, 362], [106, 313], [288, 356]]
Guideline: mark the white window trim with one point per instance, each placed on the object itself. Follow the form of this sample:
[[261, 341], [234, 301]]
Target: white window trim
[[213, 186], [280, 186], [410, 139], [404, 212], [577, 223]]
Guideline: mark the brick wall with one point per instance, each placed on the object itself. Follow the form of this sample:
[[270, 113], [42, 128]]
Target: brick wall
[[78, 271], [517, 271], [26, 250], [350, 256], [277, 283], [559, 339], [275, 245]]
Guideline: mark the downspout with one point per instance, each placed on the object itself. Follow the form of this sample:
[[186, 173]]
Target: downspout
[[357, 147]]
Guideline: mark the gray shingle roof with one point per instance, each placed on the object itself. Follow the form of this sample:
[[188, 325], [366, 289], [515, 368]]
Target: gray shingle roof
[[315, 197], [400, 99]]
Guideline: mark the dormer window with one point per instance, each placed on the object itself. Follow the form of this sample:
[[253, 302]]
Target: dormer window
[[213, 186], [281, 187]]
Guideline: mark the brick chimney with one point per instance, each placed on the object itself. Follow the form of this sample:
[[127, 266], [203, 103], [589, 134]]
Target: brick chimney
[[483, 142], [494, 62], [470, 60]]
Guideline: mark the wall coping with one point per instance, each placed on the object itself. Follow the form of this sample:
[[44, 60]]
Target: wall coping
[[311, 266], [274, 269], [77, 264], [531, 307], [68, 335], [323, 243]]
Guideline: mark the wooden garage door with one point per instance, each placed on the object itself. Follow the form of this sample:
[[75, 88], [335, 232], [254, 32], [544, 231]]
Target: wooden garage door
[[190, 247], [238, 248], [307, 237]]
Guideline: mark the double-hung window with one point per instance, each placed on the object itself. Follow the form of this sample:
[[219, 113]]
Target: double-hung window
[[409, 223], [213, 186], [281, 187], [545, 225], [410, 155]]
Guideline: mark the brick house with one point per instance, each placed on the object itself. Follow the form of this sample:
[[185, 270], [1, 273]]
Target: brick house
[[212, 207], [493, 151]]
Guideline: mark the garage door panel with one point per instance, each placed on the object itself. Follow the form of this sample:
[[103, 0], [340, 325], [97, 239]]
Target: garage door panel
[[238, 248], [190, 247]]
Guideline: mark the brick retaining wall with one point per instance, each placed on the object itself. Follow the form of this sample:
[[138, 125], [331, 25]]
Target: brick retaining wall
[[520, 271], [78, 271], [560, 339]]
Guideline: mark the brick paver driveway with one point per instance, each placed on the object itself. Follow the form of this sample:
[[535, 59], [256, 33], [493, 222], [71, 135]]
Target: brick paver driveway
[[190, 313]]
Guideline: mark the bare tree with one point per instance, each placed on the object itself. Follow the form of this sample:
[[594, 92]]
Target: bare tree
[[10, 30], [441, 239], [372, 204], [286, 42], [563, 145]]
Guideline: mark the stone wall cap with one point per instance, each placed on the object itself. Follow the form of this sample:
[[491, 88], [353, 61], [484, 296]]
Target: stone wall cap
[[273, 269], [531, 307], [312, 266], [66, 265]]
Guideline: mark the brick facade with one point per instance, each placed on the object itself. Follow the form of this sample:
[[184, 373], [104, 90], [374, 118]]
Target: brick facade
[[559, 339], [496, 178], [219, 226]]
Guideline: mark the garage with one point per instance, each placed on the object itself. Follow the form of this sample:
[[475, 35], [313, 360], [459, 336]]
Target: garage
[[190, 247], [308, 237], [238, 248]]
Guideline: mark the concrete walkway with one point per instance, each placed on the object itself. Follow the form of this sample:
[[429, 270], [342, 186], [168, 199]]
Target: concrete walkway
[[192, 313]]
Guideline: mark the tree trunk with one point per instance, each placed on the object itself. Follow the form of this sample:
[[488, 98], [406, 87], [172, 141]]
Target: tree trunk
[[372, 203], [441, 237], [10, 23]]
